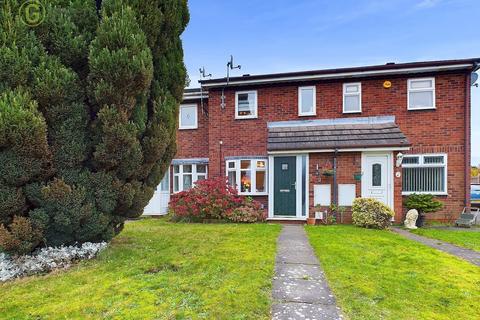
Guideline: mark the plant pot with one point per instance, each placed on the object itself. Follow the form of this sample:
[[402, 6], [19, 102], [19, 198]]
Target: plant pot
[[311, 221], [420, 220], [328, 173], [357, 176]]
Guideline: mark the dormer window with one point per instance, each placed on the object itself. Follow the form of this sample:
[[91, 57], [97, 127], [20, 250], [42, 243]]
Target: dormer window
[[352, 97], [246, 105], [421, 94], [306, 101]]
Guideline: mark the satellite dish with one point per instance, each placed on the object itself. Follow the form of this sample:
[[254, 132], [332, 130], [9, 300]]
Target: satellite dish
[[474, 78]]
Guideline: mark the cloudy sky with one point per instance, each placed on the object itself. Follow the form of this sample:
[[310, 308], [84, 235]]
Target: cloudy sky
[[268, 36]]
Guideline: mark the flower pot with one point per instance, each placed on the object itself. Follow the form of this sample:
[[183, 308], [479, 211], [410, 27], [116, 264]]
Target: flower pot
[[420, 220], [311, 221], [328, 173], [357, 176]]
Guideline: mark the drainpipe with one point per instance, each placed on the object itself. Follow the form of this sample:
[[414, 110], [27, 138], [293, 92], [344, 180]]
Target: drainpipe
[[335, 186], [467, 138]]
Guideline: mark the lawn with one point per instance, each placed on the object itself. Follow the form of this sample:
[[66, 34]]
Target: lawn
[[466, 239], [158, 270], [380, 275]]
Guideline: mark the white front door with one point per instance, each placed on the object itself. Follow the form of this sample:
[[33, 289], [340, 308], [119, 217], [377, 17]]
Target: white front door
[[158, 205], [377, 177]]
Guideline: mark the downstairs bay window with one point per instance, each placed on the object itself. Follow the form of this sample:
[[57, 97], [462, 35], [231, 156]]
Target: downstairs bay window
[[426, 173], [248, 176], [185, 175]]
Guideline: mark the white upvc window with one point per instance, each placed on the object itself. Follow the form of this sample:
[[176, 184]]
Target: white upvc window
[[425, 173], [248, 176], [352, 97], [188, 117], [307, 105], [246, 104], [421, 94], [186, 175]]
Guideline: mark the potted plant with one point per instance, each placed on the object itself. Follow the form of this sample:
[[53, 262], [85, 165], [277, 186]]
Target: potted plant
[[357, 176], [423, 203], [328, 172]]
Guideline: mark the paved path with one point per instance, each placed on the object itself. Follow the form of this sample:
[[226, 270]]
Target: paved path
[[300, 290], [466, 254]]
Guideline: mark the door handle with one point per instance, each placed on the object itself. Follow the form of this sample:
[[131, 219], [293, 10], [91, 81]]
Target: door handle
[[294, 185]]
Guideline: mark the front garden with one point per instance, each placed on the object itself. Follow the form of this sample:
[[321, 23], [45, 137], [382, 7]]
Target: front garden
[[377, 274], [158, 270]]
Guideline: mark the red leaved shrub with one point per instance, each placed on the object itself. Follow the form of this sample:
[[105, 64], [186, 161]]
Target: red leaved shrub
[[214, 199]]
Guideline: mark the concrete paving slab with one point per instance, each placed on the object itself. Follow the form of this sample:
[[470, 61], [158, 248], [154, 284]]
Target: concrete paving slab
[[294, 311], [300, 289], [299, 271]]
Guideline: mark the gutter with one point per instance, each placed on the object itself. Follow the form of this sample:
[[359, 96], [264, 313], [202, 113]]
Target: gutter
[[358, 74]]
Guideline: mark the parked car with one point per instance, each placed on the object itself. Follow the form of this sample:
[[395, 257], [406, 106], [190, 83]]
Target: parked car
[[475, 194]]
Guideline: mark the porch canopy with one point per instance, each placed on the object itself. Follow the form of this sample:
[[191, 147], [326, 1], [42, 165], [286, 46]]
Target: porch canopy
[[342, 134]]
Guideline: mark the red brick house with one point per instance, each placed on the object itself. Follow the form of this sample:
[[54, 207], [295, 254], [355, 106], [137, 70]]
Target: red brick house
[[299, 142]]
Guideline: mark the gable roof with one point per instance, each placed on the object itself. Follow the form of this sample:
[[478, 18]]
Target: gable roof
[[468, 65]]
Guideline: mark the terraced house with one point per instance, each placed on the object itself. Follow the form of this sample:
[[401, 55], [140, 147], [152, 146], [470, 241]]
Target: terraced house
[[301, 141]]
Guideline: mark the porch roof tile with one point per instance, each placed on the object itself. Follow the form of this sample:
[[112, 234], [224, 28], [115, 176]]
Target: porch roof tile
[[336, 136]]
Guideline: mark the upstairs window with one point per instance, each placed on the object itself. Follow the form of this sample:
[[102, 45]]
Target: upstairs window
[[426, 173], [185, 175], [421, 94], [248, 176], [352, 97], [246, 105], [188, 117], [306, 101]]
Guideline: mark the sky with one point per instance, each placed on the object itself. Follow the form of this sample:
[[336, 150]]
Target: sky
[[268, 36]]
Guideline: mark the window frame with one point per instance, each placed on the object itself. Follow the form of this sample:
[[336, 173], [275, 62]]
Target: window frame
[[314, 106], [184, 127], [180, 174], [433, 89], [421, 164], [251, 116], [253, 170], [345, 94]]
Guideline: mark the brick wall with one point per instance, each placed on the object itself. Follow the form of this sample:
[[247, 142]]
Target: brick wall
[[193, 143]]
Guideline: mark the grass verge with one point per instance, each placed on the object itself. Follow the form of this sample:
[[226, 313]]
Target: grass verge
[[158, 270], [380, 275]]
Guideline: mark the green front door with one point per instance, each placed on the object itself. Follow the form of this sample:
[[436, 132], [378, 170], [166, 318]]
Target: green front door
[[284, 182]]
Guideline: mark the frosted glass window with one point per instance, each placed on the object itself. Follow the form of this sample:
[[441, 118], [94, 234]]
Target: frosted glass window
[[306, 101], [377, 175], [421, 94], [352, 97], [188, 117]]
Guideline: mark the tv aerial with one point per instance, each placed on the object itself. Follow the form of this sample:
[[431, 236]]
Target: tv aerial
[[230, 66], [203, 73], [474, 79]]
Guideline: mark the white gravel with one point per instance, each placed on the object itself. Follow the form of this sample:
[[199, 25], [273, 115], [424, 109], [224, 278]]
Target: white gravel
[[46, 259]]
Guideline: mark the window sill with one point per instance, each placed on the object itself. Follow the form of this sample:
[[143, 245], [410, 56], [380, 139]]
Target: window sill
[[307, 114], [246, 117], [432, 193], [422, 108], [187, 128], [253, 194], [347, 112]]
